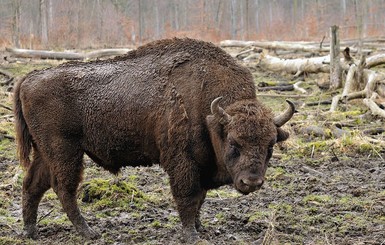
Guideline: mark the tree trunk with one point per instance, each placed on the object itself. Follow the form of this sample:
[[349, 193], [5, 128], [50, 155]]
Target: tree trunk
[[43, 22], [16, 23], [335, 67]]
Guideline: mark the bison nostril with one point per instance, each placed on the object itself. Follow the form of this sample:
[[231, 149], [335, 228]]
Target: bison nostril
[[251, 182], [245, 182]]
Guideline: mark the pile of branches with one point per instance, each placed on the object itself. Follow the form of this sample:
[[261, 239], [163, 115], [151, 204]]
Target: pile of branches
[[361, 81]]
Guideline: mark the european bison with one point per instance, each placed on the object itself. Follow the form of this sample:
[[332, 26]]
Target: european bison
[[181, 103]]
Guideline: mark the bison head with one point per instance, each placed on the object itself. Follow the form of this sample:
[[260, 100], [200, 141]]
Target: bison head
[[243, 137]]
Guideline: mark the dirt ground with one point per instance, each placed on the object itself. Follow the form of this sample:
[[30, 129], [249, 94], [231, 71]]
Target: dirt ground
[[319, 190]]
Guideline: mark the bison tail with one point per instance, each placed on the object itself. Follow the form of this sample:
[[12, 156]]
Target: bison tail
[[23, 137]]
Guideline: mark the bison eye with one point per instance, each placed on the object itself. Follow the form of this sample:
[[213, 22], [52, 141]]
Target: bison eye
[[234, 152]]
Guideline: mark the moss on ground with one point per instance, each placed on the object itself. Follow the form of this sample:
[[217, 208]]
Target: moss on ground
[[101, 194], [15, 241]]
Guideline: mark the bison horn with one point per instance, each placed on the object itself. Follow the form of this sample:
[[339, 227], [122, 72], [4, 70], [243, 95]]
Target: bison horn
[[285, 117], [218, 111]]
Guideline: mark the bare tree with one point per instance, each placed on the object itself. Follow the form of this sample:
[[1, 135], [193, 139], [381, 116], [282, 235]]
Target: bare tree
[[16, 23], [43, 22]]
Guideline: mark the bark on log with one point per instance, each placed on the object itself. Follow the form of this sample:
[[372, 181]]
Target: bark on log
[[375, 60], [317, 103], [289, 87], [335, 101], [349, 84], [293, 66], [275, 45], [375, 109], [44, 54], [373, 131]]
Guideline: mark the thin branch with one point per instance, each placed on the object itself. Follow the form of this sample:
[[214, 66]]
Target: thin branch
[[6, 107]]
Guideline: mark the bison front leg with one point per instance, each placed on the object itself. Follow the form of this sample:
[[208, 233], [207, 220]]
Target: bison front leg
[[188, 195], [188, 212], [198, 223]]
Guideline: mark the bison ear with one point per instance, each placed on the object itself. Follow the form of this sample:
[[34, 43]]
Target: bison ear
[[282, 135], [214, 126]]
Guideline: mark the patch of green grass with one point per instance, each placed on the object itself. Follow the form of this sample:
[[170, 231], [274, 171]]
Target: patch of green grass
[[220, 216], [5, 240], [23, 69], [4, 201], [133, 177], [7, 149], [3, 212], [173, 220], [59, 220], [111, 193], [259, 215], [355, 143], [50, 195], [350, 222], [315, 146], [350, 203], [275, 173], [281, 207], [156, 224], [7, 146], [316, 199], [222, 193]]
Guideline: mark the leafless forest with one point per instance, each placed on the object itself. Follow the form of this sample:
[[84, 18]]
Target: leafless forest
[[110, 23]]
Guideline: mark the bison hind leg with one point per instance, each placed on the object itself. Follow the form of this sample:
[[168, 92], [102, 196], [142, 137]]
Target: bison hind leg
[[35, 183], [65, 181]]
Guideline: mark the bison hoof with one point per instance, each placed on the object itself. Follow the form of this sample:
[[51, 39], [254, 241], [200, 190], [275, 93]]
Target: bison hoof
[[90, 234], [30, 232], [198, 225], [191, 237]]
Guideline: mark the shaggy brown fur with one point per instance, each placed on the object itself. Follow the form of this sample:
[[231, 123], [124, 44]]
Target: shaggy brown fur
[[149, 106]]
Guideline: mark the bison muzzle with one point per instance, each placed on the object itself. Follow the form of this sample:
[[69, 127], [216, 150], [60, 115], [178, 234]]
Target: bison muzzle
[[181, 103]]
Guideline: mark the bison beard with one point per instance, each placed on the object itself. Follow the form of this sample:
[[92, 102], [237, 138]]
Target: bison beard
[[182, 103]]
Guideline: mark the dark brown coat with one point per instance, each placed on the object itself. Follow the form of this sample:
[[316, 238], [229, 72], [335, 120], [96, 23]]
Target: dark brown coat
[[157, 104]]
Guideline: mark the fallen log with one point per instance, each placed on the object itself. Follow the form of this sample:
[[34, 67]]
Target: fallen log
[[288, 87], [373, 131], [275, 45], [45, 54], [375, 60], [317, 103], [293, 66], [371, 78], [374, 108]]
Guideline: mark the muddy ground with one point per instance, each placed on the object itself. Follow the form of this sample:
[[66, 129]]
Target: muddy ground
[[319, 189]]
